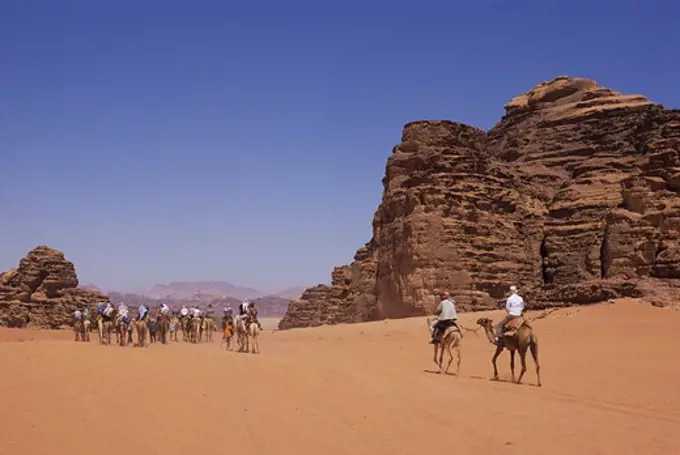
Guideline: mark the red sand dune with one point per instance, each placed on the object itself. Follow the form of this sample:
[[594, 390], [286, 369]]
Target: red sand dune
[[610, 386]]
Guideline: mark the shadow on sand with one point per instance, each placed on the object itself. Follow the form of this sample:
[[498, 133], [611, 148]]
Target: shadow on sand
[[482, 378]]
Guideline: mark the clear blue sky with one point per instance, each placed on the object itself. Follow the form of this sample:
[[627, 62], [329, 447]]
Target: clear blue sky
[[154, 141]]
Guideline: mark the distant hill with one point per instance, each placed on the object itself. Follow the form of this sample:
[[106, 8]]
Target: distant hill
[[187, 289], [292, 293]]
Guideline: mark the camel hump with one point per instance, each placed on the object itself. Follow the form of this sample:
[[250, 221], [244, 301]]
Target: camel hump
[[451, 330]]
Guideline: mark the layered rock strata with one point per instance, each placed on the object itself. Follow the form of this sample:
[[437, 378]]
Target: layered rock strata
[[43, 291], [574, 196]]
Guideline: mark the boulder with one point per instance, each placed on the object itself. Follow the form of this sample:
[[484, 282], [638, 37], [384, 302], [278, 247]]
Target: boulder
[[43, 291]]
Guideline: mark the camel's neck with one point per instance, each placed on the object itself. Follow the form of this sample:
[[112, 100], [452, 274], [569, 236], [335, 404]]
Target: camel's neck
[[489, 332]]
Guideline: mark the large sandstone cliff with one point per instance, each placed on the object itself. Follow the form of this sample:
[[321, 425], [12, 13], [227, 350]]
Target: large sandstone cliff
[[574, 196], [43, 291]]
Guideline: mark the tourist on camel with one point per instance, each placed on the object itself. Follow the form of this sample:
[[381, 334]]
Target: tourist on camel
[[446, 317], [142, 312], [165, 309], [514, 306], [252, 314]]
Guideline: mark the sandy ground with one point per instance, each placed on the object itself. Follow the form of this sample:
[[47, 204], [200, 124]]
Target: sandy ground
[[610, 375]]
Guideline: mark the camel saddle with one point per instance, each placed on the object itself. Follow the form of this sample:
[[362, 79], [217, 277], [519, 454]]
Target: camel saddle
[[448, 331], [511, 328]]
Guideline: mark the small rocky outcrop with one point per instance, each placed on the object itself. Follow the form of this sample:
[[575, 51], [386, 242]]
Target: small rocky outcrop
[[43, 291], [574, 196]]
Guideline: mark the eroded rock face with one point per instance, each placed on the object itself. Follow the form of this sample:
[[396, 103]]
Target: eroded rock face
[[43, 291], [574, 196]]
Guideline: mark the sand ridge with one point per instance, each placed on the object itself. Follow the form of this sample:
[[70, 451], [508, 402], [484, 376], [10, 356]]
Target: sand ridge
[[609, 386]]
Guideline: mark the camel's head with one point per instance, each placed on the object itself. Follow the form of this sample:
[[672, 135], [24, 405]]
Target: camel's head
[[484, 322]]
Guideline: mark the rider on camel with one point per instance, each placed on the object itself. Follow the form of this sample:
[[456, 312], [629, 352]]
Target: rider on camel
[[514, 307], [252, 314], [165, 309], [446, 317], [142, 312], [107, 314]]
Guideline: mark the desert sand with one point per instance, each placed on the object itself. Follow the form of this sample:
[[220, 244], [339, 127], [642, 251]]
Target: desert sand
[[610, 386]]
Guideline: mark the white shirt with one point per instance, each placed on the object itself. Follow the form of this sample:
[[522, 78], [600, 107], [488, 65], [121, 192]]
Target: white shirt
[[184, 311], [447, 310], [78, 314], [197, 312], [514, 305], [164, 309]]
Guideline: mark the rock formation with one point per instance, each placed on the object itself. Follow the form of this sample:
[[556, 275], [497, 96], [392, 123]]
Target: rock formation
[[574, 196], [43, 291]]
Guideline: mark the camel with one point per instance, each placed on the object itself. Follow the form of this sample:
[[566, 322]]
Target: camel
[[174, 324], [78, 330], [448, 340], [241, 334], [185, 325], [163, 328], [209, 327], [86, 329], [518, 335], [142, 329], [107, 329], [254, 335], [195, 330], [130, 329], [100, 328], [121, 331]]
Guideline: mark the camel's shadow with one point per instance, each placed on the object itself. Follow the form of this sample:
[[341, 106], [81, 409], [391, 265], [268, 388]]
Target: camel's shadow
[[438, 373], [482, 378], [501, 380]]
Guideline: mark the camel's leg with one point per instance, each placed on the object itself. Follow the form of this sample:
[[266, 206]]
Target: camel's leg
[[499, 349], [450, 354], [512, 364], [458, 357], [523, 359], [534, 353]]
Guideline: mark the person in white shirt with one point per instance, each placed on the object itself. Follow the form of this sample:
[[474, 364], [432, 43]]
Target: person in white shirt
[[446, 317], [197, 312], [108, 311], [78, 315], [514, 306], [184, 311], [123, 311], [165, 310]]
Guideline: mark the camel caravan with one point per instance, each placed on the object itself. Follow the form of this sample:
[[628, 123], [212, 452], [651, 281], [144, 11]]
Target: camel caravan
[[163, 326], [514, 333]]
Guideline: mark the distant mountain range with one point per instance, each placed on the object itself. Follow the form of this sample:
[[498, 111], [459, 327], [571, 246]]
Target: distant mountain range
[[187, 289], [206, 294]]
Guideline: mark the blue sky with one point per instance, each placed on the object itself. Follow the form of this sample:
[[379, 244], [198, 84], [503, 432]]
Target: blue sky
[[246, 141]]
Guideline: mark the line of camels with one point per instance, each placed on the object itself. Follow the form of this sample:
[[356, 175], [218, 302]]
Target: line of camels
[[517, 335], [194, 330]]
